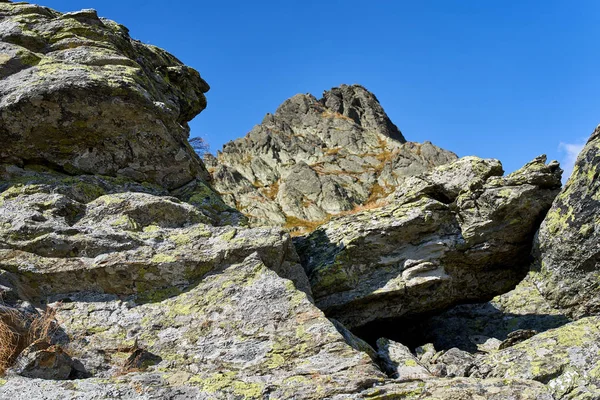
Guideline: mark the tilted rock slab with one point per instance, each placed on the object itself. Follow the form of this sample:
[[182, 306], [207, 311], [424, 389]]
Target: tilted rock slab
[[242, 331], [568, 245], [461, 233], [457, 388], [315, 158], [62, 239], [77, 93], [154, 302], [566, 359]]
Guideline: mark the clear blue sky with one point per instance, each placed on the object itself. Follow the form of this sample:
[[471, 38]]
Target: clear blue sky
[[502, 79]]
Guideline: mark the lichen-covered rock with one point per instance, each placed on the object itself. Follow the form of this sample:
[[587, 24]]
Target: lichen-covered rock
[[436, 244], [122, 243], [568, 255], [79, 94], [482, 327], [452, 363], [566, 359], [157, 302], [241, 332], [316, 158], [458, 388], [398, 362]]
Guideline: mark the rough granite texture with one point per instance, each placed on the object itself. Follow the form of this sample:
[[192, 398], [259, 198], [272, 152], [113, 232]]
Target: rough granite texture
[[439, 242], [316, 158], [78, 94], [566, 359], [157, 290], [54, 241], [567, 247]]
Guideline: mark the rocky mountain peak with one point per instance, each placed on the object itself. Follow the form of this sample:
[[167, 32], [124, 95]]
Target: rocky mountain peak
[[344, 144], [353, 102], [360, 105]]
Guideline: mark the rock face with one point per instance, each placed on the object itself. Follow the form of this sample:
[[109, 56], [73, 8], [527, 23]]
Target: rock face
[[124, 275], [565, 359], [317, 158], [105, 216], [567, 248], [123, 243], [242, 331], [461, 233], [78, 94], [154, 301]]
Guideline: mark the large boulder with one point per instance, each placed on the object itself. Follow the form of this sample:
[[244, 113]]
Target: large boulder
[[154, 301], [461, 233], [242, 331], [568, 251], [78, 94], [62, 238], [566, 359], [314, 158]]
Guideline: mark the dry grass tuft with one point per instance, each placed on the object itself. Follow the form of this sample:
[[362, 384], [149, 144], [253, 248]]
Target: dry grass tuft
[[271, 191], [298, 227], [19, 330], [378, 192]]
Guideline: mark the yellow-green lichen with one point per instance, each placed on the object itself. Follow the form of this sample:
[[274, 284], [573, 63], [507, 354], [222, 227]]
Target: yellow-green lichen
[[226, 382], [163, 258], [410, 363], [151, 228]]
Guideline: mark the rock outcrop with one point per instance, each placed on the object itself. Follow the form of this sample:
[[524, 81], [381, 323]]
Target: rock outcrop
[[124, 275], [155, 301], [461, 233], [79, 95], [568, 250], [316, 158], [566, 359]]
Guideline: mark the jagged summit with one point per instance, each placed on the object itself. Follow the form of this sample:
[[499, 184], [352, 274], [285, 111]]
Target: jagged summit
[[314, 158], [350, 101]]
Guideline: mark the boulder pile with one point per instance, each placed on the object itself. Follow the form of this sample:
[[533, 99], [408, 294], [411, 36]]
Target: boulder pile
[[320, 257]]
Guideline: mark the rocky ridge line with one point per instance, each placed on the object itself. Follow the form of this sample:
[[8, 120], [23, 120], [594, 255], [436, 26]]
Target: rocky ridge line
[[316, 158]]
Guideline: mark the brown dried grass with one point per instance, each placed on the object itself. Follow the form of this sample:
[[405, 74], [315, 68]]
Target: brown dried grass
[[19, 330], [271, 191]]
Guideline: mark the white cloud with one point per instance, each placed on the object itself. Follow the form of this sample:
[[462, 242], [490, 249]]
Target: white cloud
[[570, 152]]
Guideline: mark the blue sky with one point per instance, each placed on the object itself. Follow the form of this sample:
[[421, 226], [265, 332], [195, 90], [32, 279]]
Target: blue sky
[[501, 79]]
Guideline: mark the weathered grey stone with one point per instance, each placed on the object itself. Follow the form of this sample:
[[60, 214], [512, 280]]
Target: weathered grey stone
[[79, 94], [242, 331], [123, 243], [398, 362], [568, 254], [482, 327], [316, 158], [433, 245], [453, 362], [458, 388], [516, 337], [566, 359], [43, 361]]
